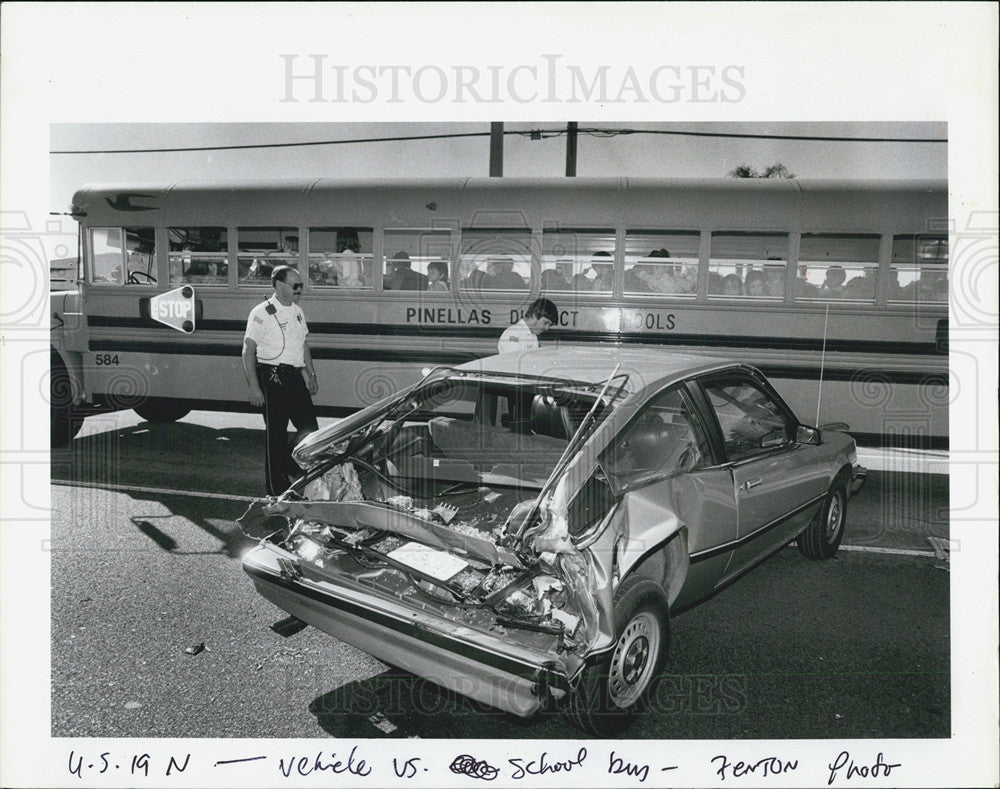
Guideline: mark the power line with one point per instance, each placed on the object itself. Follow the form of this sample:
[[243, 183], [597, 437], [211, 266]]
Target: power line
[[535, 134], [280, 144]]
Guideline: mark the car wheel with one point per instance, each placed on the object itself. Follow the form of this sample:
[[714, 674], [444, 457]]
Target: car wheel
[[161, 410], [64, 423], [822, 537], [613, 691]]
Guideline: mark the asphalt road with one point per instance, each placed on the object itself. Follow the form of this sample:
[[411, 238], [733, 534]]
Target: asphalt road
[[145, 564]]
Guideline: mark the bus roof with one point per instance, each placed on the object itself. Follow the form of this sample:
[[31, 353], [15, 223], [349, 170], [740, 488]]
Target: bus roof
[[499, 202], [320, 185]]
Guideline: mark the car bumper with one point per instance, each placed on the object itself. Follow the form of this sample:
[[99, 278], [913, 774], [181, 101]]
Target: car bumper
[[481, 667]]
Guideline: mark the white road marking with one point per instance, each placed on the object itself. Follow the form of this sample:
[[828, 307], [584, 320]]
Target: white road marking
[[907, 461], [141, 489], [891, 551]]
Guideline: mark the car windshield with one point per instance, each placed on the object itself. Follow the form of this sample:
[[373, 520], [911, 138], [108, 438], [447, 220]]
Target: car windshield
[[492, 430]]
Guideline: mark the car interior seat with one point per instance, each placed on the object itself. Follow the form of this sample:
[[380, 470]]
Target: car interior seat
[[547, 417]]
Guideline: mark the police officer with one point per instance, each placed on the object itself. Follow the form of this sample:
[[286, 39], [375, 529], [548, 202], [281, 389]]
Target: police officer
[[280, 372]]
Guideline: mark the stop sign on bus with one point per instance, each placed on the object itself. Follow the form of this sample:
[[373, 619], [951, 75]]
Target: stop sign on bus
[[174, 308]]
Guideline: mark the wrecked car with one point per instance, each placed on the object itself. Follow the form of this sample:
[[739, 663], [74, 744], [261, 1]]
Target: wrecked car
[[519, 529]]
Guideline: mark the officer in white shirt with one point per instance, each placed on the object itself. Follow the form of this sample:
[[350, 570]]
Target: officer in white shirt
[[523, 335], [280, 373]]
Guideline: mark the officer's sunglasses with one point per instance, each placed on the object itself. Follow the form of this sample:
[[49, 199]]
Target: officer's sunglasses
[[297, 287]]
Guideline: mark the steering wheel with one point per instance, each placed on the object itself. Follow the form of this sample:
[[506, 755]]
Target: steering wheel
[[133, 277]]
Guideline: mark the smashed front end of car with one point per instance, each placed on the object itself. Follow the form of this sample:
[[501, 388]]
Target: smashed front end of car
[[427, 530]]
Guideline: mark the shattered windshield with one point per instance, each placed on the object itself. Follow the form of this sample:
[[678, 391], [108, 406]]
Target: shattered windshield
[[479, 430]]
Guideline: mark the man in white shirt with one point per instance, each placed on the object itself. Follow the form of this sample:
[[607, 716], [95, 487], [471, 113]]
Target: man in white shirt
[[523, 335], [280, 373]]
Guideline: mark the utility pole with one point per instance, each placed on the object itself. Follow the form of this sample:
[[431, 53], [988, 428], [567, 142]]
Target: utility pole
[[496, 150], [571, 149]]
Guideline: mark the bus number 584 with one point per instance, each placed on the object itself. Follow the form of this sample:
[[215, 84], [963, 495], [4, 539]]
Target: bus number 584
[[106, 358]]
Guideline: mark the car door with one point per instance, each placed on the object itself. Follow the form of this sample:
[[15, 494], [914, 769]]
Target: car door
[[664, 464], [777, 482]]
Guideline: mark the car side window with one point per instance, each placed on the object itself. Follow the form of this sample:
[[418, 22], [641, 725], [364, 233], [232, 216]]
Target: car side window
[[662, 440], [751, 420]]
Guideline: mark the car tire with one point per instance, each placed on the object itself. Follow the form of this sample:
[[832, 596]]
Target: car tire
[[822, 536], [64, 422], [612, 692], [161, 410]]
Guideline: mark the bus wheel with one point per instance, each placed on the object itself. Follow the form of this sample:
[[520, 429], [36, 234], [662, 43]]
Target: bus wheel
[[64, 422], [156, 409]]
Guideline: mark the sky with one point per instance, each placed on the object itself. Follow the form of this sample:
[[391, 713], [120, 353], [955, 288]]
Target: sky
[[651, 155]]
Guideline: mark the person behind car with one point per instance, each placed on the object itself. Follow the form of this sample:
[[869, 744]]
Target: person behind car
[[523, 335]]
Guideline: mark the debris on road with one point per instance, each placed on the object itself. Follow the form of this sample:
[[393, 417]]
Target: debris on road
[[195, 649]]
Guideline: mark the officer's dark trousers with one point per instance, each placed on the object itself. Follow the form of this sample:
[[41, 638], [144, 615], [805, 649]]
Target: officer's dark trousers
[[285, 398]]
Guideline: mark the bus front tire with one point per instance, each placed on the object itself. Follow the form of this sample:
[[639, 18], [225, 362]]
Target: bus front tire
[[161, 410], [64, 422]]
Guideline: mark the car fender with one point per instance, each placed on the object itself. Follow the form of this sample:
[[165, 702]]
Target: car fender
[[655, 543], [644, 535]]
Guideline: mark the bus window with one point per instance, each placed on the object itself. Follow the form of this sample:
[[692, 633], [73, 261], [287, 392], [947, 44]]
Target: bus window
[[919, 271], [416, 259], [747, 265], [198, 255], [106, 256], [837, 266], [580, 260], [140, 256], [495, 260], [664, 263], [340, 257], [111, 264], [259, 250]]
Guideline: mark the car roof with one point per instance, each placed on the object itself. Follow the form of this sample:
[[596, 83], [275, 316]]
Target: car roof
[[595, 365]]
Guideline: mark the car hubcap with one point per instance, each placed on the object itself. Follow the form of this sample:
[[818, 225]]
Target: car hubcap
[[633, 659], [834, 517]]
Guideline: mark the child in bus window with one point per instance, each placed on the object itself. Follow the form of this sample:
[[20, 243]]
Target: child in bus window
[[932, 286], [402, 276], [437, 276], [833, 283], [731, 286], [859, 289], [553, 279], [501, 270], [775, 282], [635, 281], [602, 282], [755, 285], [473, 277], [347, 240]]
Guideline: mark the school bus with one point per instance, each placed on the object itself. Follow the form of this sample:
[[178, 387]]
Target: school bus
[[837, 290]]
